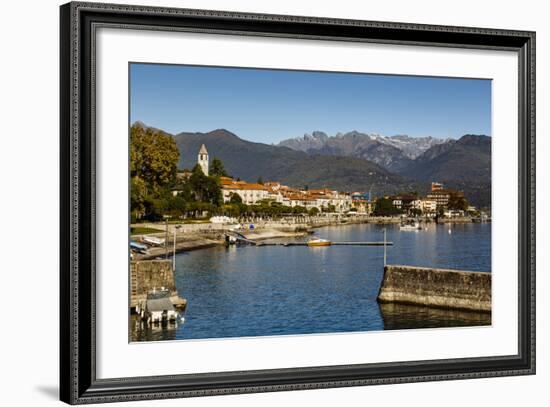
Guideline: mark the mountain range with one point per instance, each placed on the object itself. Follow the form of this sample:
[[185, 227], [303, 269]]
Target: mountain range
[[352, 161], [249, 161], [465, 159], [463, 164], [393, 153]]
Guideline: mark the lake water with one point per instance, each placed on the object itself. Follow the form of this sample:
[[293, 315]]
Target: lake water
[[276, 290]]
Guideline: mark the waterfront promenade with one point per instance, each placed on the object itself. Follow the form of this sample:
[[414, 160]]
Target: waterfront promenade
[[290, 224]]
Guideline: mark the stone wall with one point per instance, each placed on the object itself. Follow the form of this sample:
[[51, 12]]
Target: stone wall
[[443, 288], [147, 275]]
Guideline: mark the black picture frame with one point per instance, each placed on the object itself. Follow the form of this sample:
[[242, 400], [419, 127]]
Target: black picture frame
[[78, 382]]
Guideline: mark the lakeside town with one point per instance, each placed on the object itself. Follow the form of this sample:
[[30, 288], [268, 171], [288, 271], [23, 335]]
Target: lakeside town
[[269, 209], [271, 199]]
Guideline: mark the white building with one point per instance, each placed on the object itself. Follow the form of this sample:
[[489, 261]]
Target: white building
[[397, 202], [203, 160], [428, 206], [250, 193], [274, 192], [300, 199], [341, 201]]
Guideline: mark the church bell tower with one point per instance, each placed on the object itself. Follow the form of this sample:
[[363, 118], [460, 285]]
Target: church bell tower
[[203, 160]]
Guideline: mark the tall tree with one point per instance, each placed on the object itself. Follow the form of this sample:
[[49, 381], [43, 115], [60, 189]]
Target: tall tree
[[457, 202], [205, 189], [217, 168], [384, 207], [235, 198], [138, 197], [154, 157]]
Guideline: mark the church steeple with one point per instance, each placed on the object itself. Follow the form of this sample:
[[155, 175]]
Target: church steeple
[[203, 159]]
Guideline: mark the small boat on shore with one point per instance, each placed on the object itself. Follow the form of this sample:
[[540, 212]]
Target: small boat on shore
[[138, 247], [318, 242], [153, 241]]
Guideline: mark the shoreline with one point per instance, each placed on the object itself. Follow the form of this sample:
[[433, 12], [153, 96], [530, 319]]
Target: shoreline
[[198, 242], [214, 235]]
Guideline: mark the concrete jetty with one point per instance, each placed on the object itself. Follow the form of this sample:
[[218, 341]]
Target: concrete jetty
[[444, 288]]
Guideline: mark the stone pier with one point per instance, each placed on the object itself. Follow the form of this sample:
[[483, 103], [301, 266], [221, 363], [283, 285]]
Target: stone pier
[[452, 289]]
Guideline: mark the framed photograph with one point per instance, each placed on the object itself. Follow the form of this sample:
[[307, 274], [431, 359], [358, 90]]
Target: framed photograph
[[255, 203]]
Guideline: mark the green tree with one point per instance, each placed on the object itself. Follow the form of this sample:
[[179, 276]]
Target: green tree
[[384, 207], [154, 158], [260, 180], [313, 212], [155, 208], [217, 168], [457, 202], [298, 209], [153, 164], [185, 192], [176, 206], [234, 210], [205, 189], [235, 198], [330, 208], [138, 195]]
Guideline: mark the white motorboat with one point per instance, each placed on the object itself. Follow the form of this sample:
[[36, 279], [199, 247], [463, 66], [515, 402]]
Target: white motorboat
[[410, 227], [230, 239]]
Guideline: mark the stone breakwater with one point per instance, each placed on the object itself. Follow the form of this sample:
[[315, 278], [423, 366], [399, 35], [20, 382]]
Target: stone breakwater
[[452, 289]]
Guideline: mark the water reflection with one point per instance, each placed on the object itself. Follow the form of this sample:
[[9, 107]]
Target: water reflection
[[401, 316], [141, 331]]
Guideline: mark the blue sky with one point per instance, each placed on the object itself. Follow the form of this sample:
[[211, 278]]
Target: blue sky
[[268, 106]]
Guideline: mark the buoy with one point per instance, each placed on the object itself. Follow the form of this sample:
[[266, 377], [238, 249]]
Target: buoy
[[449, 231]]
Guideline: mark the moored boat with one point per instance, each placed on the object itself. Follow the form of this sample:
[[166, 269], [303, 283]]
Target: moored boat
[[318, 242], [229, 239], [410, 226]]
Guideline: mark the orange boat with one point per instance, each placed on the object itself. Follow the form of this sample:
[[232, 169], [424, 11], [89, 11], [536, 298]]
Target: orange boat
[[318, 242]]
